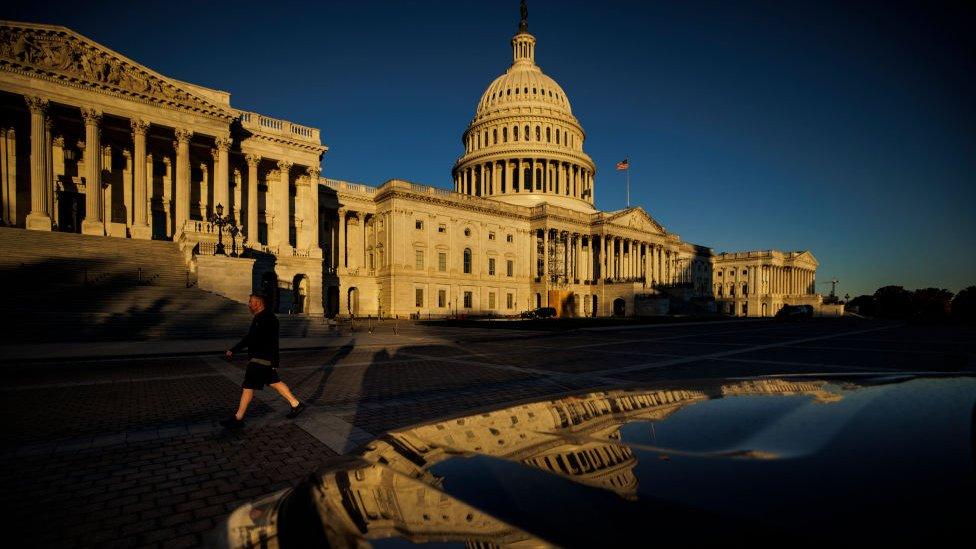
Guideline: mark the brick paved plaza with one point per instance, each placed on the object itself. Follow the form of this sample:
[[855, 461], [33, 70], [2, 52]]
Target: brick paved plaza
[[127, 452]]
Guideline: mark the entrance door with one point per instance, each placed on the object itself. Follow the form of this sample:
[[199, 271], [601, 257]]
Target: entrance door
[[159, 225], [71, 211], [619, 307]]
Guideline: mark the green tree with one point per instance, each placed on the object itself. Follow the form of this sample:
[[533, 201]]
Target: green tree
[[893, 302], [931, 304], [964, 306]]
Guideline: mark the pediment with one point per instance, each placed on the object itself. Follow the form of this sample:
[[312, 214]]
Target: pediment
[[636, 218], [60, 54], [806, 256]]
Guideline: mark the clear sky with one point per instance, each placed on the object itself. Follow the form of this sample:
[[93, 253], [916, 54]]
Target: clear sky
[[848, 129]]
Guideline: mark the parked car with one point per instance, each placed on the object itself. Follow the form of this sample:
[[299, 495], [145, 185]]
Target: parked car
[[541, 312], [795, 312], [827, 461]]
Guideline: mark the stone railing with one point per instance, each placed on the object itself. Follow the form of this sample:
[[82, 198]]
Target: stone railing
[[283, 128], [346, 186]]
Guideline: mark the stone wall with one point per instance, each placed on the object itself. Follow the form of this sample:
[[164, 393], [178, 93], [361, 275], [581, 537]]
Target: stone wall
[[227, 276]]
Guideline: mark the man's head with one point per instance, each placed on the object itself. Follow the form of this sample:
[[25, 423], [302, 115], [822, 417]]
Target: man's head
[[257, 302]]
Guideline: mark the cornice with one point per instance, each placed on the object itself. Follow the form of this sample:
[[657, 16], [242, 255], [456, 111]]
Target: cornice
[[60, 55]]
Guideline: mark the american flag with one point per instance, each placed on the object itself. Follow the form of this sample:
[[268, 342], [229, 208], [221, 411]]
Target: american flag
[[623, 164]]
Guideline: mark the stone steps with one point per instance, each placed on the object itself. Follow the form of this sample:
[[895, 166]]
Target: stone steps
[[70, 287]]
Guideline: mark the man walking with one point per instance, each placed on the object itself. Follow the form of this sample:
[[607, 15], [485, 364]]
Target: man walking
[[261, 343]]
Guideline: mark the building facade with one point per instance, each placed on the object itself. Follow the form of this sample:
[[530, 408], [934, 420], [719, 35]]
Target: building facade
[[93, 142]]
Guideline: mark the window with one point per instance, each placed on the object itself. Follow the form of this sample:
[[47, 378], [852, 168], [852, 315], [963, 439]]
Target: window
[[418, 262], [549, 135], [720, 274], [467, 232], [442, 228], [491, 266], [467, 300], [371, 266], [420, 297], [510, 268], [494, 137], [491, 300], [744, 272], [442, 261], [442, 298], [467, 261], [515, 133], [491, 236], [509, 238], [509, 301], [526, 133], [504, 135], [418, 224], [538, 133]]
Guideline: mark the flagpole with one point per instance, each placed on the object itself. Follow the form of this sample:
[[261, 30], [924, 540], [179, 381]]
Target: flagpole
[[628, 185]]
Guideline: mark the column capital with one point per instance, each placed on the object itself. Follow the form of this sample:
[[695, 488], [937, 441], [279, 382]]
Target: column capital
[[58, 141], [222, 143], [36, 104], [107, 149], [203, 167], [252, 159], [91, 115], [285, 165], [314, 172], [166, 161], [139, 127], [183, 135]]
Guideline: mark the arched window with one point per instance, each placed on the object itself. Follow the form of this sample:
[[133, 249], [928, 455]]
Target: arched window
[[557, 137], [526, 133], [515, 133], [538, 133], [478, 142], [508, 92], [467, 261], [504, 135], [494, 137], [486, 138], [516, 91]]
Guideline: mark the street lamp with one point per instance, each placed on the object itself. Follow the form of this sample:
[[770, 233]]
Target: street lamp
[[220, 221]]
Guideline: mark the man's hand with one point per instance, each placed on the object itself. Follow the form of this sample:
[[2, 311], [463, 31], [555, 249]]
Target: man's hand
[[229, 354]]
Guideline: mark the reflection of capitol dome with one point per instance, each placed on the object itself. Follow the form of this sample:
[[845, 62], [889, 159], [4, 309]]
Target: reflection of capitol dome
[[524, 146]]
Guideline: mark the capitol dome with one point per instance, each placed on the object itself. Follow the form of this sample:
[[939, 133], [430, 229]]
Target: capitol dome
[[524, 146]]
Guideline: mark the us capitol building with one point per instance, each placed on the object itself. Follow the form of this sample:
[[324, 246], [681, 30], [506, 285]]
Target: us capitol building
[[93, 142]]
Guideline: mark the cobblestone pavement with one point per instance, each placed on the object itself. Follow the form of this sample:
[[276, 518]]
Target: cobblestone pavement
[[127, 452]]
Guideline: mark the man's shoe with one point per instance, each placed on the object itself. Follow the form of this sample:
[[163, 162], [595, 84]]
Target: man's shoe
[[295, 410], [232, 423]]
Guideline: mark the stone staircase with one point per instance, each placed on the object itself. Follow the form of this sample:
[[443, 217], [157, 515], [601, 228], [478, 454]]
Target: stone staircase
[[72, 287]]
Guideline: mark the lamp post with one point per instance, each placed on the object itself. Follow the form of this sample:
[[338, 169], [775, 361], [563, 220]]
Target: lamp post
[[220, 221]]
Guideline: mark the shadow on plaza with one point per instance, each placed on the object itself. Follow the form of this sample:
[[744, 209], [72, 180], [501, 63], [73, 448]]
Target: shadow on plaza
[[72, 300]]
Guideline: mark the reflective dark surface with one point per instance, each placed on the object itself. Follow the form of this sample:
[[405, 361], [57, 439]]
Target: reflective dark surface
[[760, 461]]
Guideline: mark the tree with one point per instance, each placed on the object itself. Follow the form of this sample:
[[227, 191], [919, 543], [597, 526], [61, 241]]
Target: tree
[[931, 304], [964, 306], [864, 305], [893, 302]]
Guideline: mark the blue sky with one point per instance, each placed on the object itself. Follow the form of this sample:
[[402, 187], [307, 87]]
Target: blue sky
[[848, 129]]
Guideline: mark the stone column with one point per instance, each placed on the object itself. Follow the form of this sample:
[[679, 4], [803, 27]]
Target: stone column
[[579, 256], [140, 228], [39, 219], [204, 204], [8, 173], [106, 190], [236, 209], [251, 229], [181, 196], [168, 186], [57, 172], [545, 254], [280, 194], [148, 192], [341, 245], [221, 171], [128, 183], [312, 218], [533, 254]]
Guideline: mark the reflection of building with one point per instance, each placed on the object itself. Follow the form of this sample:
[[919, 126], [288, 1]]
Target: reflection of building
[[520, 229], [577, 438]]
